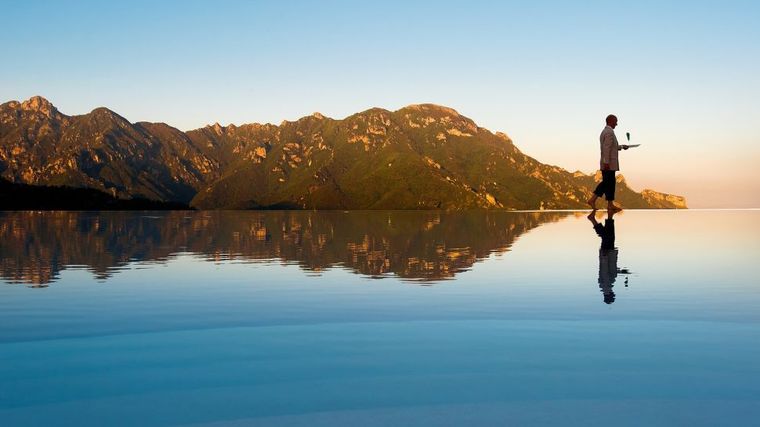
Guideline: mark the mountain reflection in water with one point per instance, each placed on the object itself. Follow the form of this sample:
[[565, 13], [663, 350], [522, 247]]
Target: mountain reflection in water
[[414, 245]]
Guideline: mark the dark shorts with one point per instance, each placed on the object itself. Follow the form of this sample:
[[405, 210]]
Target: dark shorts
[[607, 186]]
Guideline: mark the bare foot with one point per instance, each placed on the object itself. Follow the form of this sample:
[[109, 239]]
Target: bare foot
[[592, 202], [614, 209]]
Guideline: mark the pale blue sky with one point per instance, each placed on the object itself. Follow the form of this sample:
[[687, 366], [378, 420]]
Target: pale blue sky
[[682, 76]]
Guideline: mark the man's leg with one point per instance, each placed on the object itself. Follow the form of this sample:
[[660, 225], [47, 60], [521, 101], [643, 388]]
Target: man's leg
[[600, 189], [609, 191]]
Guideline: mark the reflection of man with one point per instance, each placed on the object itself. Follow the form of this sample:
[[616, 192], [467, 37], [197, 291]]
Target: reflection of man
[[608, 255], [608, 163]]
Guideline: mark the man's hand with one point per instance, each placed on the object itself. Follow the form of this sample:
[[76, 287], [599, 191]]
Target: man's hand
[[605, 166], [625, 147]]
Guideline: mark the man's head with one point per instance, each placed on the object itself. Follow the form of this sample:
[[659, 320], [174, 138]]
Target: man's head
[[612, 121]]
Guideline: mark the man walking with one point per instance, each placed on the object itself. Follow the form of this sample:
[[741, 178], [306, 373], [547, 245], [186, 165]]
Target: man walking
[[608, 164]]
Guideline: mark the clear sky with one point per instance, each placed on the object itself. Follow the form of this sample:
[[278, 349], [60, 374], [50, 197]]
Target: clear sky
[[681, 76]]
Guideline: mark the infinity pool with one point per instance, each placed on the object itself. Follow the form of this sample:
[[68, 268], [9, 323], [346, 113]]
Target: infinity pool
[[379, 318]]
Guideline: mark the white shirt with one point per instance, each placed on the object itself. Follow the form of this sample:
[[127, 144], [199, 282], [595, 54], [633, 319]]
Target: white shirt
[[609, 149]]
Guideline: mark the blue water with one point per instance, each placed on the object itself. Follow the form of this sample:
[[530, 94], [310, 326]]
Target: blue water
[[379, 318]]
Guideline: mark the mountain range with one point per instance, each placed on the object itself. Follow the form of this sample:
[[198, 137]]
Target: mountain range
[[419, 157]]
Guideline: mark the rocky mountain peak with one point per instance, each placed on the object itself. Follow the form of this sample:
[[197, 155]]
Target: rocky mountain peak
[[372, 112], [11, 105], [39, 104], [446, 121], [102, 110], [504, 136], [433, 108], [103, 115]]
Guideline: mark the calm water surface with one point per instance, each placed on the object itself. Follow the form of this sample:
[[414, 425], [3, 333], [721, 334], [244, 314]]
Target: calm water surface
[[379, 318]]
